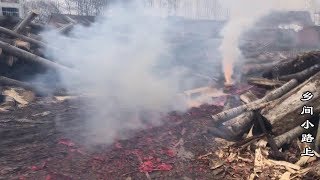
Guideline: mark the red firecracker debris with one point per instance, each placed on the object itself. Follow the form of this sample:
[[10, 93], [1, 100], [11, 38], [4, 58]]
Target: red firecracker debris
[[164, 167], [118, 145], [98, 158], [146, 166], [48, 177], [37, 168], [66, 142], [170, 153], [78, 151]]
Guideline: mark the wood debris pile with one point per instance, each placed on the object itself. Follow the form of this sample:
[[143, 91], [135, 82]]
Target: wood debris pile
[[22, 54], [289, 111]]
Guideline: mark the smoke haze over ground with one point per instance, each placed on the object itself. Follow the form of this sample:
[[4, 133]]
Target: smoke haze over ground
[[123, 63], [119, 59]]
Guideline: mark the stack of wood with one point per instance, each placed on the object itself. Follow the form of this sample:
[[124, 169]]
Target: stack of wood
[[21, 48], [278, 115]]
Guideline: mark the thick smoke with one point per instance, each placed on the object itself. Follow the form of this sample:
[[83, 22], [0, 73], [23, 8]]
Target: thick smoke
[[119, 59], [243, 14]]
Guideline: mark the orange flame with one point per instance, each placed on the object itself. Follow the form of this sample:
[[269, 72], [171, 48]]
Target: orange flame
[[228, 72]]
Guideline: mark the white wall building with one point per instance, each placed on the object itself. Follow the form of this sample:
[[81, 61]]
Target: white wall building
[[314, 9], [11, 8]]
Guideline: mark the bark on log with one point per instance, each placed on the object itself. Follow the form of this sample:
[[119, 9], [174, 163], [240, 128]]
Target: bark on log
[[303, 75], [232, 113], [242, 123], [25, 22], [284, 114], [266, 82], [289, 136], [32, 58], [22, 37]]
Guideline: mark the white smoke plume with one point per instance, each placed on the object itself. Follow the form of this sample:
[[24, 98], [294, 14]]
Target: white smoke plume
[[119, 59], [243, 14]]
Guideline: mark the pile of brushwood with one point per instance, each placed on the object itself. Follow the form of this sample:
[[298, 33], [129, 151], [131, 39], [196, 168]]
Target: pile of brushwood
[[281, 117]]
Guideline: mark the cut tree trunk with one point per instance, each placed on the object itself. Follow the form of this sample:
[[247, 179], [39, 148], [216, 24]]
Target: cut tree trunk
[[303, 75], [22, 37], [234, 112], [242, 123], [9, 49], [25, 22], [284, 114], [289, 136]]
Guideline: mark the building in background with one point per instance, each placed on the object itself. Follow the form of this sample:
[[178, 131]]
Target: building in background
[[11, 8], [313, 7]]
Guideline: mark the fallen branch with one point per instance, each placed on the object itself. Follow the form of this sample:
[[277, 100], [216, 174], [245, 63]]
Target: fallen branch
[[231, 113], [32, 57]]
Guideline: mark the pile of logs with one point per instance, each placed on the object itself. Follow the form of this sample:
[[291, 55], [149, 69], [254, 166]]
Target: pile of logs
[[22, 53], [278, 115]]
